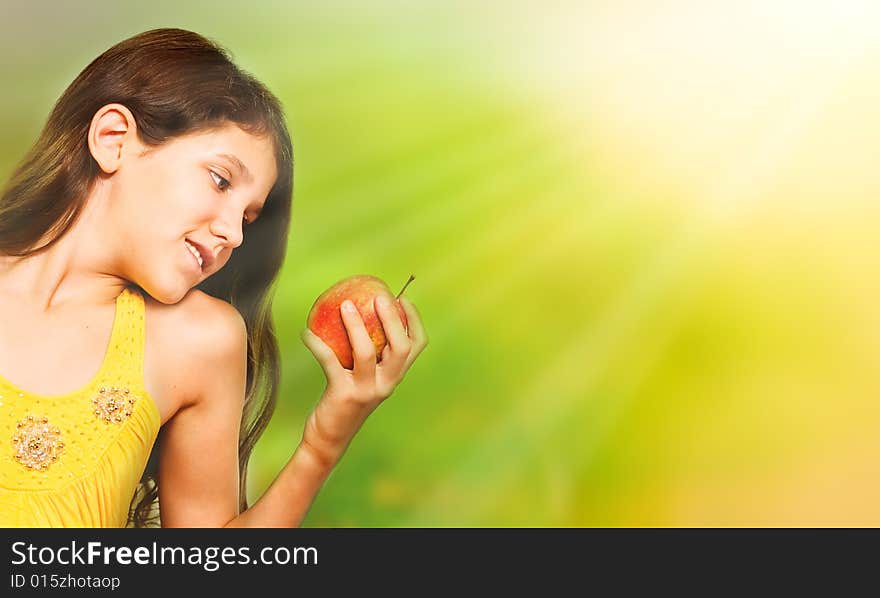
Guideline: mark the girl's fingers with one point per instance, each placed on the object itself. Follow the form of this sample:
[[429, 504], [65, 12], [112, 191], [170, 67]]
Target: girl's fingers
[[324, 354], [416, 328], [395, 333], [362, 348], [416, 331], [398, 343]]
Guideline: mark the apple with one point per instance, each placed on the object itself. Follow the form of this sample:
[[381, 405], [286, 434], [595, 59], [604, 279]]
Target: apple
[[325, 316]]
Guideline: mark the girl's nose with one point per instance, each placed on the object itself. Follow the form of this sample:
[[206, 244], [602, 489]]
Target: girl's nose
[[229, 227]]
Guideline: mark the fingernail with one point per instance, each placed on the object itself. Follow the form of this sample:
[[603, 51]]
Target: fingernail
[[382, 301], [347, 305]]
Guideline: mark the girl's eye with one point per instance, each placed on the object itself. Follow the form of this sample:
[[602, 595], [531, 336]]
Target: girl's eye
[[223, 185]]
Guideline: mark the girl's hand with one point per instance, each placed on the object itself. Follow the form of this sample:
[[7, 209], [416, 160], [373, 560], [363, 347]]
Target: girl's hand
[[351, 395]]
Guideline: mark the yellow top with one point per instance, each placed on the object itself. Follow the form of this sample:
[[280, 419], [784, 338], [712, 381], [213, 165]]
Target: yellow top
[[75, 460]]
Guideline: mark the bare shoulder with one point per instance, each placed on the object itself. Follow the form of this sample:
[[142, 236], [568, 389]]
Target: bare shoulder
[[206, 322], [189, 346]]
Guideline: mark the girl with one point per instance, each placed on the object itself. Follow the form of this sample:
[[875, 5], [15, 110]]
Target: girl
[[152, 164]]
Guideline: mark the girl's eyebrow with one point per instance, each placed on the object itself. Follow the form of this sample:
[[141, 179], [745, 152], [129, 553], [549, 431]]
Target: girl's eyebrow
[[239, 164]]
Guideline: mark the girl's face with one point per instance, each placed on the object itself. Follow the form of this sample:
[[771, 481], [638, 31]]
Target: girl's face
[[195, 192]]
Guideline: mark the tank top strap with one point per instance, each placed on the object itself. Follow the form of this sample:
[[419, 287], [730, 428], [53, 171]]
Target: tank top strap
[[125, 355]]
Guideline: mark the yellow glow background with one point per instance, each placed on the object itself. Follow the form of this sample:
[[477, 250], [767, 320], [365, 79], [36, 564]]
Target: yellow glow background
[[644, 236]]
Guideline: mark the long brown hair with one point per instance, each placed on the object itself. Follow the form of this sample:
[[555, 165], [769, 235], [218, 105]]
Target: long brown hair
[[175, 82]]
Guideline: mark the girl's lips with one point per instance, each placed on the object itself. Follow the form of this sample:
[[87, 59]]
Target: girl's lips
[[192, 258], [207, 255]]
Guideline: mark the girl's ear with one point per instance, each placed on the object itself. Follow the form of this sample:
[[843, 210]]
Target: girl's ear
[[112, 127]]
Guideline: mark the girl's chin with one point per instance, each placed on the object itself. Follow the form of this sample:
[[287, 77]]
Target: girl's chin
[[169, 292], [167, 299]]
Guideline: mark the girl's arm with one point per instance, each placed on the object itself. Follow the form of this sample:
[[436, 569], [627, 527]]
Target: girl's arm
[[348, 399], [288, 499], [198, 471], [198, 463]]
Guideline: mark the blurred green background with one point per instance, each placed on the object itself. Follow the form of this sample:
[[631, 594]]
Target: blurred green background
[[643, 234]]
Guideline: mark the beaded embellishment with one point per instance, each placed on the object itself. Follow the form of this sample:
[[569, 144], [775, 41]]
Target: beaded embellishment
[[113, 404], [37, 443]]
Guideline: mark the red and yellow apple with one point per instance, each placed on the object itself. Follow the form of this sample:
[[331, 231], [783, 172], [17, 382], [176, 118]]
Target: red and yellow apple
[[325, 316]]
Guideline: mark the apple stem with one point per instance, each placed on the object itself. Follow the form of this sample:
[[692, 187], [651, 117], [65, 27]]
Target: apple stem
[[411, 278]]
